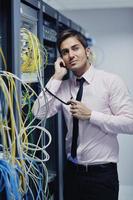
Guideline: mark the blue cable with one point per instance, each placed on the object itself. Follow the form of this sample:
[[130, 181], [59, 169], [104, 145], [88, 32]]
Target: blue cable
[[10, 180]]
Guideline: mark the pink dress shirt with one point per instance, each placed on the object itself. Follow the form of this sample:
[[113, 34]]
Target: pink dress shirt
[[112, 113]]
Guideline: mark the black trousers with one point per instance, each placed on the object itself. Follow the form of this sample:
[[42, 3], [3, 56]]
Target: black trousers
[[96, 182]]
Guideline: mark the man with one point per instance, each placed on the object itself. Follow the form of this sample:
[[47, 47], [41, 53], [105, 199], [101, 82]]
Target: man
[[93, 120]]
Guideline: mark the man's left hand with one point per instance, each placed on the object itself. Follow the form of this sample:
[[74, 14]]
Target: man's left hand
[[79, 110]]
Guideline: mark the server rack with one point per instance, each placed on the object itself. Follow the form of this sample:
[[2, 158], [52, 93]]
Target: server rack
[[10, 35], [63, 22], [3, 28], [10, 48], [49, 42], [75, 26], [41, 19], [46, 23], [31, 19]]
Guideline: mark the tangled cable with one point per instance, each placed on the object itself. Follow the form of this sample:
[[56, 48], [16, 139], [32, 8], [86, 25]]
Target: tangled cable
[[32, 52], [20, 164]]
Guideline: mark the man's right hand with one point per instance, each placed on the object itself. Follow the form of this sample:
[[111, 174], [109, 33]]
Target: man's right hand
[[60, 69]]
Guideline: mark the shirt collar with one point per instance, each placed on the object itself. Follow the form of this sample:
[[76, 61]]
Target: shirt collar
[[88, 75]]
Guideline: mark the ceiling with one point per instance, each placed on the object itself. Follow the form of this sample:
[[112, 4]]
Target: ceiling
[[88, 4]]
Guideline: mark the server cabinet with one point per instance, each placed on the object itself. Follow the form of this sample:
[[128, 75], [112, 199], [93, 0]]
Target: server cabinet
[[4, 37], [3, 47], [9, 35], [40, 19], [49, 38], [29, 21], [31, 18], [8, 27], [49, 43], [10, 49], [63, 23], [75, 26], [46, 23]]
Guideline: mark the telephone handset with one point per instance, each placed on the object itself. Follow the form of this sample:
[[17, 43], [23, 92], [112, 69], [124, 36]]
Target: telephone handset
[[66, 103]]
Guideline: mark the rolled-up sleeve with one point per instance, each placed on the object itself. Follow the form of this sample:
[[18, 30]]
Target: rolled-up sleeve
[[46, 105]]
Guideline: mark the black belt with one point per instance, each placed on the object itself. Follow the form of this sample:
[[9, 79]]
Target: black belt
[[90, 168]]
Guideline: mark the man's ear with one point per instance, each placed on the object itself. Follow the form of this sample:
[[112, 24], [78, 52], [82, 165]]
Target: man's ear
[[87, 52]]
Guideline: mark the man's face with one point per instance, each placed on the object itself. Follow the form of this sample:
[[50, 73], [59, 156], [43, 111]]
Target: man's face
[[74, 54]]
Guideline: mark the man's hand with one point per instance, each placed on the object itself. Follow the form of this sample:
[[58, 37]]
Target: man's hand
[[79, 110], [60, 69]]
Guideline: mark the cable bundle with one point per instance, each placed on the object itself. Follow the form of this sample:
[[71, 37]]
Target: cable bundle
[[19, 162], [17, 150], [32, 52], [9, 181]]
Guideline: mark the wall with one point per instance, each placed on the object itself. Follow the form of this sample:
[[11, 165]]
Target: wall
[[113, 31]]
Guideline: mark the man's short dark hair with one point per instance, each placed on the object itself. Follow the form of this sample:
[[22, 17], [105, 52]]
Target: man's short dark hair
[[71, 33]]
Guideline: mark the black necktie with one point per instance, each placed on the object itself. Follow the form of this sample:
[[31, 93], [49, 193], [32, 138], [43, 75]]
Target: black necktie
[[75, 121]]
